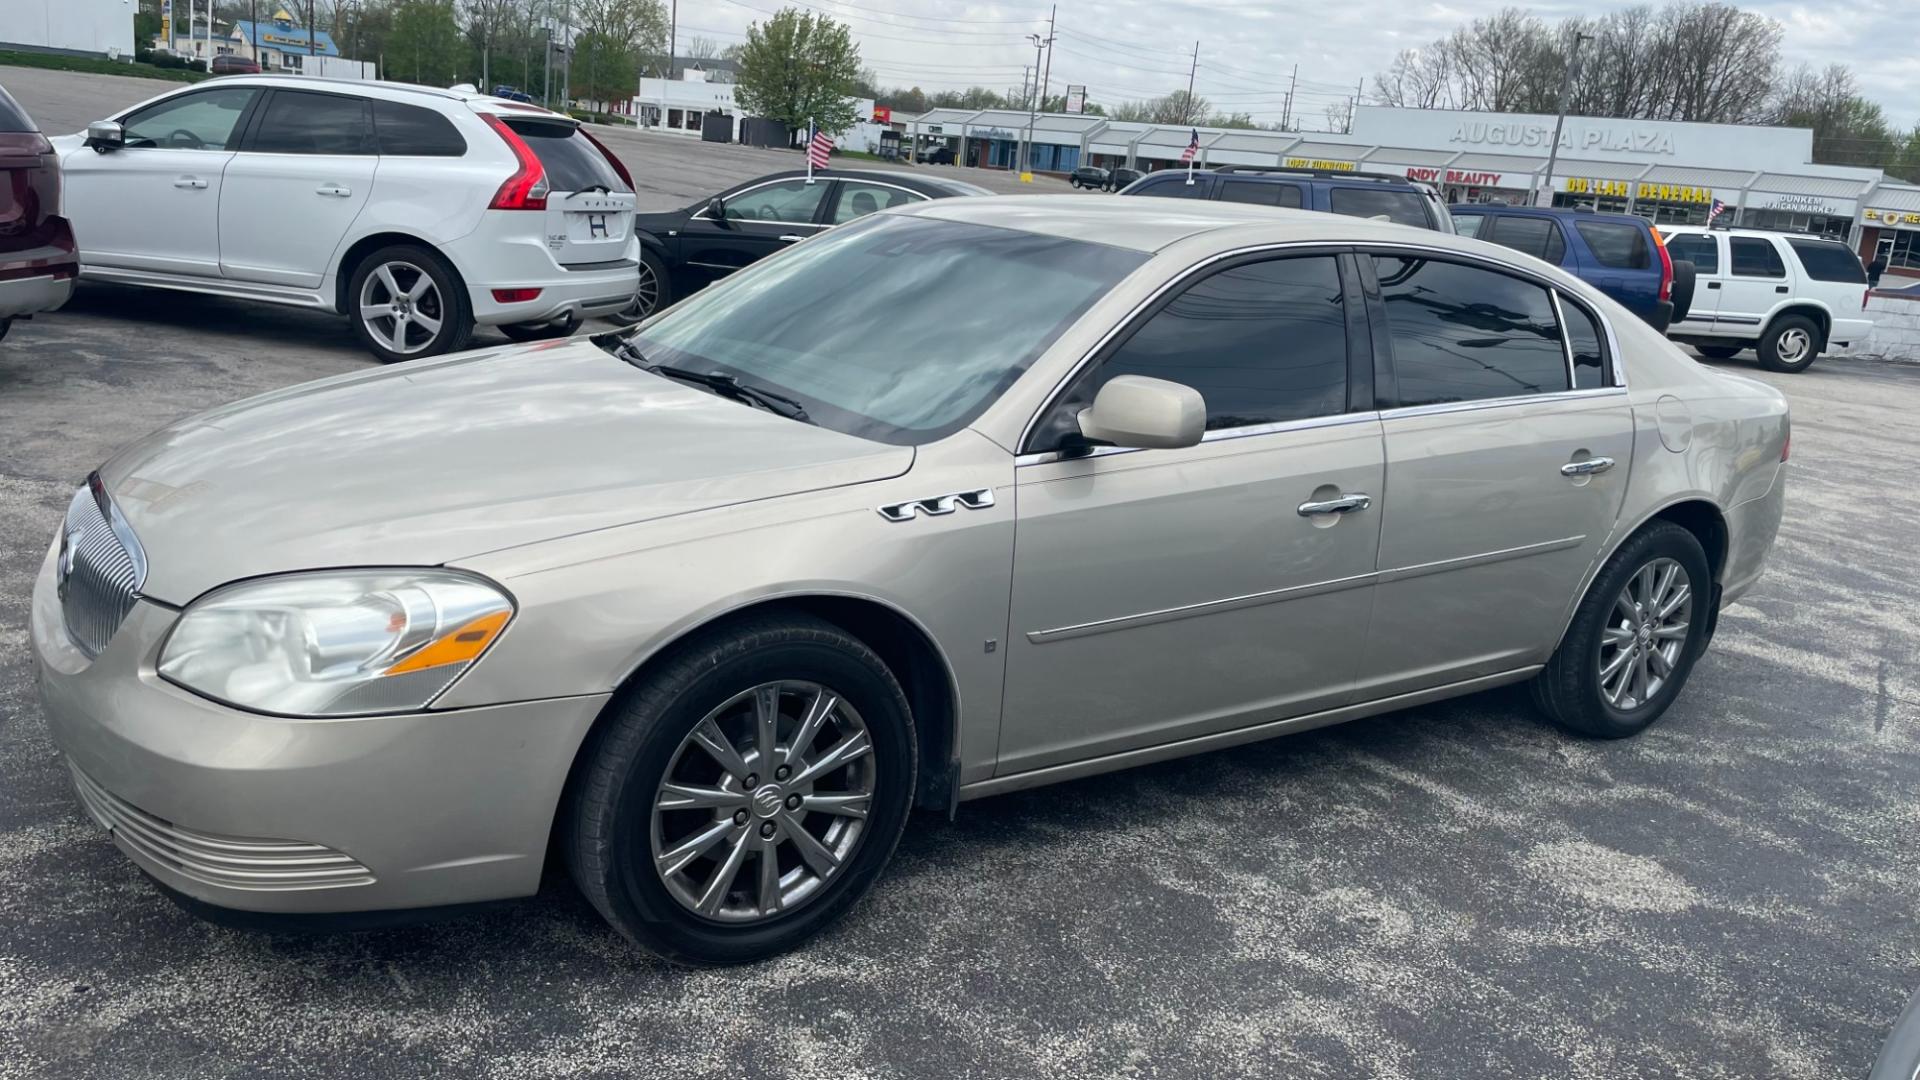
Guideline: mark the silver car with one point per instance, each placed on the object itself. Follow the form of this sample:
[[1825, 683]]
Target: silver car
[[706, 608]]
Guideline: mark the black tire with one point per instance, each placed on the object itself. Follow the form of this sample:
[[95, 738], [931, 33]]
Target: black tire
[[1685, 280], [1780, 336], [451, 306], [554, 328], [5, 325], [1719, 352], [608, 813], [1568, 690], [662, 294]]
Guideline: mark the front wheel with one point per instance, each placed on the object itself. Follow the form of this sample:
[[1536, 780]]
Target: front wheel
[[746, 794], [406, 302], [1634, 639], [652, 292], [1791, 344]]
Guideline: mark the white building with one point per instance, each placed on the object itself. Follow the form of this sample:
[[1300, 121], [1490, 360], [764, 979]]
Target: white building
[[682, 105], [89, 27]]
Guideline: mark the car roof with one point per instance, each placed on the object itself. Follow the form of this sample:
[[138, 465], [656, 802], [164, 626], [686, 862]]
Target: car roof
[[1145, 224], [896, 177], [393, 91], [1567, 212]]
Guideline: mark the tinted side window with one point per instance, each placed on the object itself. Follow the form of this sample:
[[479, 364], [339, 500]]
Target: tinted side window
[[1461, 333], [1589, 356], [297, 122], [791, 202], [202, 120], [1175, 189], [1623, 247], [1399, 207], [411, 131], [1754, 257], [1263, 342], [1701, 251], [1536, 236], [1260, 193], [857, 199], [1829, 262]]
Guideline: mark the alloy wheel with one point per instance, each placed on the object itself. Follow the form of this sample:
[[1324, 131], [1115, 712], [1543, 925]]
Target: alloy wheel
[[401, 307], [1645, 635], [763, 803], [646, 295]]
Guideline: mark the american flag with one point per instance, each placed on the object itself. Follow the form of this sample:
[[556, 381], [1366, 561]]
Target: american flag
[[819, 146], [1719, 207], [1193, 147]]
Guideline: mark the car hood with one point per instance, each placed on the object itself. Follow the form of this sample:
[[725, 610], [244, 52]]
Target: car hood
[[433, 461]]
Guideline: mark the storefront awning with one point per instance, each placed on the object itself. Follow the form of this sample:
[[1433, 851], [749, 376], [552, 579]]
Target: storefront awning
[[1250, 142], [1826, 187], [1710, 178], [1598, 170], [1888, 197], [1498, 163], [1402, 155]]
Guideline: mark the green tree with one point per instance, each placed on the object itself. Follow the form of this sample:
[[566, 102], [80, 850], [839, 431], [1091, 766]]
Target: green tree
[[800, 67], [425, 45], [614, 35]]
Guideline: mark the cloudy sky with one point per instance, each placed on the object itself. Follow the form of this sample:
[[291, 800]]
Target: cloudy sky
[[1127, 49]]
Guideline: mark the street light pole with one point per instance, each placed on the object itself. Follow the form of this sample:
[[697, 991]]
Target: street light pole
[[1545, 195], [1033, 105]]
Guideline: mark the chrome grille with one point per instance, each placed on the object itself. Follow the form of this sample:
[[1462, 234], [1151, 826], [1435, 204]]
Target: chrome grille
[[100, 571], [232, 862]]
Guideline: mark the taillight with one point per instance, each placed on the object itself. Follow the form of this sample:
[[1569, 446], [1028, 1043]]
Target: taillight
[[526, 189], [1666, 266], [1786, 444], [618, 166]]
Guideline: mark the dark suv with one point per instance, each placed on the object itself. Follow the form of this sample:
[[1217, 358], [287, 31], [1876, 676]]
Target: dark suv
[[38, 259], [1355, 194], [1090, 176], [1622, 255]]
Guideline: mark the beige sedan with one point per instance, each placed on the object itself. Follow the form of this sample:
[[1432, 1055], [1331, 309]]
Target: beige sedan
[[709, 606]]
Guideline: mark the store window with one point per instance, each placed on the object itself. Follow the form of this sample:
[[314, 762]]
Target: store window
[[1905, 251], [1828, 225]]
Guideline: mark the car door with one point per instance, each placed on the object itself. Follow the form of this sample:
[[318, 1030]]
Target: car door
[[1756, 280], [309, 161], [154, 203], [1165, 594], [1619, 260], [1538, 236], [1505, 469], [1709, 282], [758, 221], [854, 199]]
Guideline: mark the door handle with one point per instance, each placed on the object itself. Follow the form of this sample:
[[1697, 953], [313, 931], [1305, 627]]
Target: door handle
[[1345, 504], [791, 238], [333, 189], [190, 182], [1713, 284], [1779, 288], [1588, 467]]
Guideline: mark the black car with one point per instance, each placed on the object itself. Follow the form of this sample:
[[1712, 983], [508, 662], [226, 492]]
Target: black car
[[939, 155], [1120, 178], [1337, 191], [682, 250], [1090, 176]]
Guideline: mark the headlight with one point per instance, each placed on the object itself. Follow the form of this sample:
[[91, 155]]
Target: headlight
[[335, 643]]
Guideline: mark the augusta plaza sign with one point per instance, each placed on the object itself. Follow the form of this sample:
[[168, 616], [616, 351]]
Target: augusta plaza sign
[[1629, 140]]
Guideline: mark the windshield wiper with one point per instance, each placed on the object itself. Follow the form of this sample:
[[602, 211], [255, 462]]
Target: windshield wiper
[[724, 385]]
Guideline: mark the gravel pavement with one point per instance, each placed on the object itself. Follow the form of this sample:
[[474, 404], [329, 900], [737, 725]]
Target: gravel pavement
[[1454, 891]]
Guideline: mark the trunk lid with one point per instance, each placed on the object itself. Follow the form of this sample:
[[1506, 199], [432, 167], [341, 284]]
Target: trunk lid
[[590, 206]]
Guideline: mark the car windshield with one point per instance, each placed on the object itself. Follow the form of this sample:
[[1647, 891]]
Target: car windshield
[[827, 322]]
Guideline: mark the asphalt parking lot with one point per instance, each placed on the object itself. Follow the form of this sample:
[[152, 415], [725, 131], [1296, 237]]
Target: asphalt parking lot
[[1454, 891]]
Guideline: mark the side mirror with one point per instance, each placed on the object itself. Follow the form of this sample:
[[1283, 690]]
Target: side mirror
[[1135, 411], [717, 210], [105, 135]]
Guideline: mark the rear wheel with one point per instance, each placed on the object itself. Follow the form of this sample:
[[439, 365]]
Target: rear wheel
[[406, 303], [1719, 352], [1791, 344], [746, 794], [653, 291], [1634, 639]]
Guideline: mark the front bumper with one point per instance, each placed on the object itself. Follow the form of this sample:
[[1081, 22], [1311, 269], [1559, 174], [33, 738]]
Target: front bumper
[[266, 814]]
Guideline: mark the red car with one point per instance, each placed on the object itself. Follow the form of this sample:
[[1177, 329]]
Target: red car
[[38, 259], [229, 64]]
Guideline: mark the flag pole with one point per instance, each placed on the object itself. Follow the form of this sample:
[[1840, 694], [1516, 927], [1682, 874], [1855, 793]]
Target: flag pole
[[812, 126]]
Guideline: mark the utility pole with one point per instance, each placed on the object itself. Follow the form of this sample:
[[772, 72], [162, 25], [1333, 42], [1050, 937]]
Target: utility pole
[[673, 32], [310, 4], [1545, 197], [1195, 66], [1358, 89], [1046, 80], [1286, 108], [1033, 105]]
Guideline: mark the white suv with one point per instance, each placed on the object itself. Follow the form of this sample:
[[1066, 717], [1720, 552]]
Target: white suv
[[1787, 297], [418, 212]]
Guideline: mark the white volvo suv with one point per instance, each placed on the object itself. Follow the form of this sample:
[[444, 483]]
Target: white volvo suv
[[418, 212]]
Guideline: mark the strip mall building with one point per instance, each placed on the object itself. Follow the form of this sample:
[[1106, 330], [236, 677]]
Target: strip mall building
[[1663, 170]]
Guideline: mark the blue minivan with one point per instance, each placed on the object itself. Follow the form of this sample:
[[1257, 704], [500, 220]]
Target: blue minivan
[[1620, 254]]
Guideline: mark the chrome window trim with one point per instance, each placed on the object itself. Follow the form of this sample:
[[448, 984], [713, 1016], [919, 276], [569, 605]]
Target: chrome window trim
[[1616, 367], [1479, 404], [1046, 457], [1334, 247], [1566, 340]]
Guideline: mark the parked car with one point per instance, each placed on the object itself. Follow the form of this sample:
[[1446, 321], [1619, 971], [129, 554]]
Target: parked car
[[229, 64], [1787, 297], [38, 259], [711, 604], [420, 213], [1622, 255], [512, 93], [939, 155], [1119, 178], [1092, 177], [1354, 194], [683, 250]]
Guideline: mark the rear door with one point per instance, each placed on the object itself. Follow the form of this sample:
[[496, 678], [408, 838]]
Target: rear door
[[1620, 261], [1756, 280], [589, 207], [1538, 236], [1703, 250], [302, 175]]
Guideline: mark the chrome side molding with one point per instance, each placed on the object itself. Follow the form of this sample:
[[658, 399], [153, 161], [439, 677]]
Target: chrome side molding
[[978, 499]]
